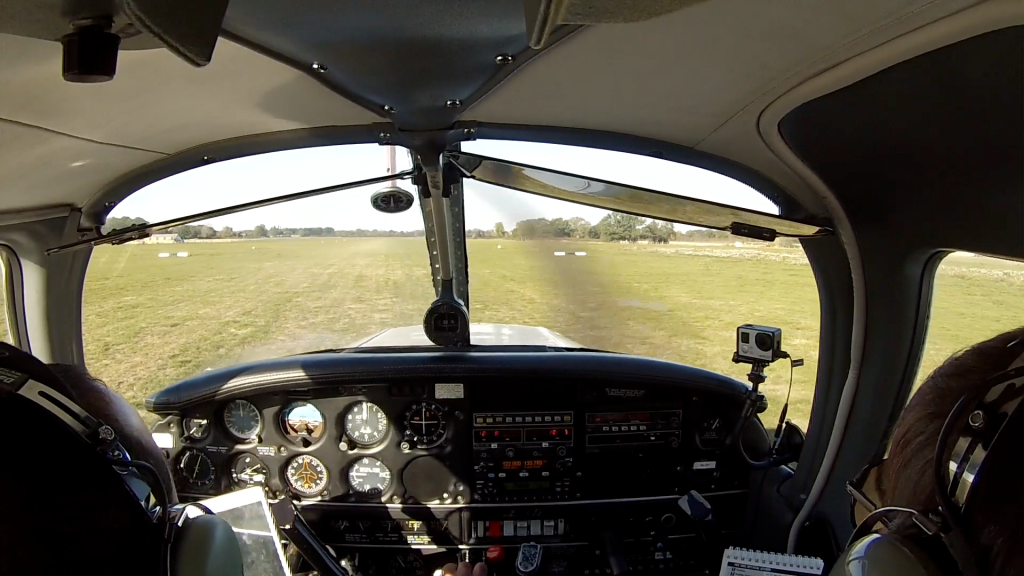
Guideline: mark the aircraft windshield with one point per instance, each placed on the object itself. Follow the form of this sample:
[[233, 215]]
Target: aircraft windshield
[[331, 272]]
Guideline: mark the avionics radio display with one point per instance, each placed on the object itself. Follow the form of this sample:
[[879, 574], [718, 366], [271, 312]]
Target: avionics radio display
[[498, 436], [627, 428], [523, 464], [548, 435], [519, 436]]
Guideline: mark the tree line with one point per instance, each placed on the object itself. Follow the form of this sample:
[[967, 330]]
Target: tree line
[[614, 227], [190, 231]]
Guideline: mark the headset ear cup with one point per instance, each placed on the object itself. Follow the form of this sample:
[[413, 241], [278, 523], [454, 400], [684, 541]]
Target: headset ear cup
[[205, 546], [885, 555]]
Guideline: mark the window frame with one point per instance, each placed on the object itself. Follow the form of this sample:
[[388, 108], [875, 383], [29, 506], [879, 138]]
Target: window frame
[[13, 301]]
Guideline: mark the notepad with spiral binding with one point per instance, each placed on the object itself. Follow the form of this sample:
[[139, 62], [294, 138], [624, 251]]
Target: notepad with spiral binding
[[741, 562]]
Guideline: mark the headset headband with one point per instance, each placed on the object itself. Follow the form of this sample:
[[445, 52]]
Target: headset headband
[[24, 375], [986, 420], [972, 428]]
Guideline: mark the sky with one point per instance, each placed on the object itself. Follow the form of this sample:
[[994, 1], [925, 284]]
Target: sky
[[267, 175]]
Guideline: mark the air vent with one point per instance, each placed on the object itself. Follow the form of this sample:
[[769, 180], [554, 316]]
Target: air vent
[[300, 394]]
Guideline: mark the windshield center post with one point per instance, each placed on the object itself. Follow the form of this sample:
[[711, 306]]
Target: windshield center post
[[446, 322]]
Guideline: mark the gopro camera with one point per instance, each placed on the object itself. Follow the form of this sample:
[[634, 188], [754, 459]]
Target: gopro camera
[[758, 344]]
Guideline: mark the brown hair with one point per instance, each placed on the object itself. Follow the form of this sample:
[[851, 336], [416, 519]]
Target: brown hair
[[103, 403], [994, 523]]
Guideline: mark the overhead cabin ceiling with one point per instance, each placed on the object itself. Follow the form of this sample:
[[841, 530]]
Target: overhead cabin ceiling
[[425, 60], [699, 76]]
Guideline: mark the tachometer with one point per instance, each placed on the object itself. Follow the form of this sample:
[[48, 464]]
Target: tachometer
[[302, 423], [242, 420], [247, 470], [368, 476], [306, 475], [366, 424], [424, 424], [196, 468]]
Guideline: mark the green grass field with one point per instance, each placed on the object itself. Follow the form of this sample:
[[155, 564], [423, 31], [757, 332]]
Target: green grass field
[[150, 321]]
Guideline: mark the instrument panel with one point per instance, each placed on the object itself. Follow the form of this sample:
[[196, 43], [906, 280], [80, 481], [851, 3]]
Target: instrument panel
[[455, 443], [383, 454]]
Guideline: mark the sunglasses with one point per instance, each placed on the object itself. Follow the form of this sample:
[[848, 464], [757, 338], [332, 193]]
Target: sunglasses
[[865, 494]]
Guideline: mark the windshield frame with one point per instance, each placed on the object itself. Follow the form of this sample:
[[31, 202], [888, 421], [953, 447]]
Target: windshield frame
[[94, 212]]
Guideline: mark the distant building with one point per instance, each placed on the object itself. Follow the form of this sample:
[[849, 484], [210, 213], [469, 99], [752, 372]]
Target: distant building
[[160, 239]]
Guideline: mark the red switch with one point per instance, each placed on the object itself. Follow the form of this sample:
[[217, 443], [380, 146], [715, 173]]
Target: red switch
[[494, 529], [495, 554]]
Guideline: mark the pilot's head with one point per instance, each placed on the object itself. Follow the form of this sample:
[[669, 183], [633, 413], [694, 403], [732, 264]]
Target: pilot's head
[[994, 521], [65, 510]]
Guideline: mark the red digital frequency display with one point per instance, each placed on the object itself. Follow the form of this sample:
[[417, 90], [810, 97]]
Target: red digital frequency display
[[523, 464], [548, 434], [499, 435]]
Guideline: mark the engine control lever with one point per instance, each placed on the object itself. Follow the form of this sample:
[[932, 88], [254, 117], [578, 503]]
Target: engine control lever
[[613, 551], [297, 531], [696, 507]]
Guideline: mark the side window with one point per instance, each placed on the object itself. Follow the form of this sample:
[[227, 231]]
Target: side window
[[974, 298], [8, 323]]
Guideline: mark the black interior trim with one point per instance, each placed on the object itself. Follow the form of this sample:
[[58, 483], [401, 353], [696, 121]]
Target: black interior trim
[[305, 68], [418, 64], [925, 156]]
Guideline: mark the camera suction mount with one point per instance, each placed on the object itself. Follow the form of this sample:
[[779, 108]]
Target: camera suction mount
[[759, 346], [90, 51]]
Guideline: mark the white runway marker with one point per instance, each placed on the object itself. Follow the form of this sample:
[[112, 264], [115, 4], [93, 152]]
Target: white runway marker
[[163, 255], [182, 254], [559, 253]]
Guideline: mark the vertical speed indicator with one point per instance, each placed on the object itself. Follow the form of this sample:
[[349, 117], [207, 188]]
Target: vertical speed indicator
[[366, 424], [369, 477]]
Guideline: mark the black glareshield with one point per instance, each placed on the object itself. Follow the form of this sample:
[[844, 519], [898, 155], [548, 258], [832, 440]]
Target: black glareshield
[[72, 482]]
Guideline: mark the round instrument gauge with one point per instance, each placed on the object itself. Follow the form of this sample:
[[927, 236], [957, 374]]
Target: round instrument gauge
[[425, 424], [242, 420], [710, 432], [368, 476], [196, 468], [302, 423], [247, 470], [366, 424], [306, 475], [196, 428]]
